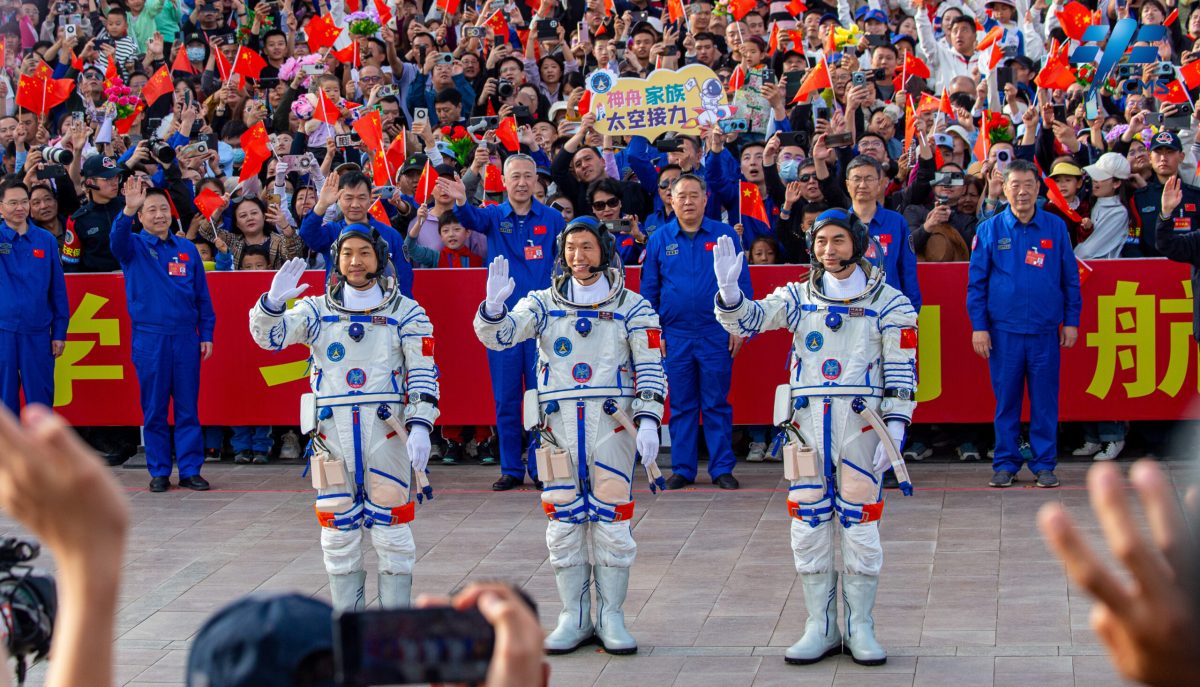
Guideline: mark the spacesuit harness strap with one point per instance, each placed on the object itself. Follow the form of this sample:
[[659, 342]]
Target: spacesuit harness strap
[[847, 310], [857, 513], [594, 314], [359, 399], [583, 392]]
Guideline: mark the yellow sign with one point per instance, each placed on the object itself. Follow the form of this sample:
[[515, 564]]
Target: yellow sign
[[681, 100]]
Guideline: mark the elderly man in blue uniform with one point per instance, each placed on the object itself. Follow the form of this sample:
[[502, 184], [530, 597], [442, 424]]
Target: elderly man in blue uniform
[[678, 280], [173, 323], [34, 311], [351, 192], [1023, 285], [864, 175], [524, 231]]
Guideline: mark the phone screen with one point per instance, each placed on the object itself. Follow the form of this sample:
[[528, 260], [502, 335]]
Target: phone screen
[[407, 646]]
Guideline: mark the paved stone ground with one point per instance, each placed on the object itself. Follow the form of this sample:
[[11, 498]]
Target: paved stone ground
[[969, 597]]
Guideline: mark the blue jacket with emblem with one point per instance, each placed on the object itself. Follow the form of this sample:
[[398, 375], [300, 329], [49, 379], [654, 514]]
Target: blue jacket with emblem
[[678, 278], [899, 260], [31, 279], [527, 241], [1008, 293], [163, 299]]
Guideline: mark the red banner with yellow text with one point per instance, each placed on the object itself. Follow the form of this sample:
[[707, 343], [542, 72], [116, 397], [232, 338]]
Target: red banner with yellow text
[[1135, 358]]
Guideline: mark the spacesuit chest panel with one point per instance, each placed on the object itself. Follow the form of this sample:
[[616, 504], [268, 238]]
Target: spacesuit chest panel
[[589, 352], [842, 348], [353, 356]]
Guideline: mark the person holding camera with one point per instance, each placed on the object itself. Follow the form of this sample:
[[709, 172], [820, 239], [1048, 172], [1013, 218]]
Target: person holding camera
[[173, 321], [34, 311], [588, 329], [374, 402]]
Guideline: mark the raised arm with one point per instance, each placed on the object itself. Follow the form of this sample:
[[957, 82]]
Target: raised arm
[[499, 328], [272, 325]]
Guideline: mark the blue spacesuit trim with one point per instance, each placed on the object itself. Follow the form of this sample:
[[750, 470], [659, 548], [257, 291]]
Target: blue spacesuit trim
[[358, 457], [314, 321], [840, 309], [865, 472], [364, 319], [268, 309], [827, 446], [492, 320], [391, 477], [581, 442], [613, 470], [794, 487], [593, 314], [559, 487], [582, 392]]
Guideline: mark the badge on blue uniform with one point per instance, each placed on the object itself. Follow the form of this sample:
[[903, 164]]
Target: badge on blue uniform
[[673, 249], [506, 227], [831, 369], [814, 341], [5, 248], [1004, 244], [356, 378], [581, 372], [562, 347], [335, 352]]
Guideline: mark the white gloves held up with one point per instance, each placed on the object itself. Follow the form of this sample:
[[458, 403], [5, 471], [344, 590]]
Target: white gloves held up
[[647, 440], [727, 263], [499, 287], [286, 284]]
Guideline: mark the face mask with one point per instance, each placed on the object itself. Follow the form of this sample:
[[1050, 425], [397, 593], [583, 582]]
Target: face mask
[[789, 170], [195, 54], [239, 156]]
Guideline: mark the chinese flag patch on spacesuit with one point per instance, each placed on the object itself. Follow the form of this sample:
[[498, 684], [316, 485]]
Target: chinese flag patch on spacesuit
[[654, 338], [908, 338], [426, 345]]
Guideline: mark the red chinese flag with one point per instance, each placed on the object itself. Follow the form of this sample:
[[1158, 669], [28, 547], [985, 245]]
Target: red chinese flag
[[376, 210], [396, 152], [352, 6], [751, 203], [425, 184], [990, 38], [1074, 19], [816, 79], [321, 32], [796, 8], [492, 181], [914, 66], [1056, 74], [740, 8], [158, 85], [1171, 17], [1191, 73], [349, 54], [506, 133], [223, 67], [448, 6], [326, 110], [31, 94], [255, 143], [585, 102], [384, 12], [208, 202], [1175, 93], [609, 8], [944, 105], [124, 125], [499, 25], [982, 143], [675, 11], [370, 130], [1085, 270], [182, 63], [248, 63], [773, 42], [1054, 195], [797, 38], [737, 79], [830, 43], [110, 71]]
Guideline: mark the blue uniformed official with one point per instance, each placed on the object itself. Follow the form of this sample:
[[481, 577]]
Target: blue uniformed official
[[864, 175], [678, 280], [1023, 284], [173, 323], [524, 231], [34, 311]]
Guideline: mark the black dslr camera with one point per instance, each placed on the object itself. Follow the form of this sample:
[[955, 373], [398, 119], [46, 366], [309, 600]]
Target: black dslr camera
[[31, 600]]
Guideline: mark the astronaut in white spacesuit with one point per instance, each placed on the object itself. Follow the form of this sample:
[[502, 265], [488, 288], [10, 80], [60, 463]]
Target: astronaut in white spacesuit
[[374, 402], [852, 371], [599, 372]]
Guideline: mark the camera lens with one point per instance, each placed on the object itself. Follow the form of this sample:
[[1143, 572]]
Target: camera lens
[[59, 156], [504, 88]]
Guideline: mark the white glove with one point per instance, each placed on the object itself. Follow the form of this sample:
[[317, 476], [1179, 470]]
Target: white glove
[[499, 287], [284, 286], [418, 447], [727, 263], [647, 440], [895, 429]]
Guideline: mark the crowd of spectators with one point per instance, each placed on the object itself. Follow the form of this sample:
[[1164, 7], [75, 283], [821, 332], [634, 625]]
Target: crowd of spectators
[[250, 117]]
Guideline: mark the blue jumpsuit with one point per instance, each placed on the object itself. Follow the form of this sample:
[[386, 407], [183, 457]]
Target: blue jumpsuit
[[33, 312], [678, 280], [1024, 283], [899, 261], [529, 244], [319, 235], [172, 314]]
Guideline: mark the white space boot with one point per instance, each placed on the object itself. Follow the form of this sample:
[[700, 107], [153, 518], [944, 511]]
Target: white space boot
[[347, 591], [395, 590], [858, 592], [575, 619], [611, 585], [821, 635]]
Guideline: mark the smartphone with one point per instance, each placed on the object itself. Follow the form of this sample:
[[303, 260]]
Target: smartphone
[[548, 29], [475, 32], [1182, 119], [51, 171], [875, 40], [668, 145], [405, 646], [311, 69], [1004, 76], [791, 83], [617, 226], [1090, 109], [839, 140], [1154, 118], [1060, 112], [345, 140], [70, 31], [420, 114], [481, 125], [638, 17], [735, 125], [522, 114]]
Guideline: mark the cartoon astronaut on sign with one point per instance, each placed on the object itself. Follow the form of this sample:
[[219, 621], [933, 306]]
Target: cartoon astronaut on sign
[[374, 402], [599, 372]]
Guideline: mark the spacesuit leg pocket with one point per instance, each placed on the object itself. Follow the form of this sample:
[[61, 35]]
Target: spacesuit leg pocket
[[857, 482], [561, 499], [612, 468]]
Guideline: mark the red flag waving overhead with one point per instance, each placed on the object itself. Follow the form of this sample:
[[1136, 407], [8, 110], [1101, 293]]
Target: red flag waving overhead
[[1055, 196], [42, 95], [499, 25], [914, 66], [248, 63], [208, 202], [944, 104], [737, 79], [740, 8], [990, 38], [751, 203], [506, 133], [1056, 74], [223, 67], [675, 11], [796, 8], [773, 42], [349, 54], [258, 150], [321, 32], [1191, 73], [378, 212], [326, 110], [1175, 93], [448, 6], [1074, 18], [158, 85], [585, 102], [110, 72], [493, 182], [396, 152], [425, 184], [385, 12], [182, 63], [370, 130], [983, 143], [817, 78], [1171, 17]]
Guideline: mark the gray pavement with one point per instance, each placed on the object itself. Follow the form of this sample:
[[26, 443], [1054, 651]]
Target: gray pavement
[[969, 596]]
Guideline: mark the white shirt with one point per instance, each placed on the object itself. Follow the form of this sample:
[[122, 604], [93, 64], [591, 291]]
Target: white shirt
[[1110, 220], [354, 299], [849, 287], [589, 294]]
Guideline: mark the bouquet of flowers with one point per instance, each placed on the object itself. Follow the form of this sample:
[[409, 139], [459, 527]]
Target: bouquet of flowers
[[363, 23], [461, 142], [120, 98]]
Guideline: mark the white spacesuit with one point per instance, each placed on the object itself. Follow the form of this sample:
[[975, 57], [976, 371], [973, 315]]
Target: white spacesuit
[[599, 371], [852, 369], [374, 400]]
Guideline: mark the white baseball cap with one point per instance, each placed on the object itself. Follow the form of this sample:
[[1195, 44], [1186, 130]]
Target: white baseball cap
[[1109, 166]]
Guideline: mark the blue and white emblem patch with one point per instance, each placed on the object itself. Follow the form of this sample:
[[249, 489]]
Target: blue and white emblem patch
[[581, 373], [831, 369], [335, 352], [562, 347], [814, 341]]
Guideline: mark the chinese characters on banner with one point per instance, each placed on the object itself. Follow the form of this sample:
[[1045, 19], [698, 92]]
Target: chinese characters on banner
[[1135, 345], [680, 100]]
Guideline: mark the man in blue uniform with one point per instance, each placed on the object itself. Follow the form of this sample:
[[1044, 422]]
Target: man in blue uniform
[[33, 311], [351, 192], [678, 280], [864, 175], [1023, 283], [173, 323], [523, 230]]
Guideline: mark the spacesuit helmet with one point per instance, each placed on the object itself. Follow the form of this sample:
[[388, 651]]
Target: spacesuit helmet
[[838, 217], [384, 270], [610, 260]]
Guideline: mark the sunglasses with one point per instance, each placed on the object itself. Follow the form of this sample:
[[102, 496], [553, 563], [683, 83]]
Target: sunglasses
[[665, 184], [806, 177], [611, 203]]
